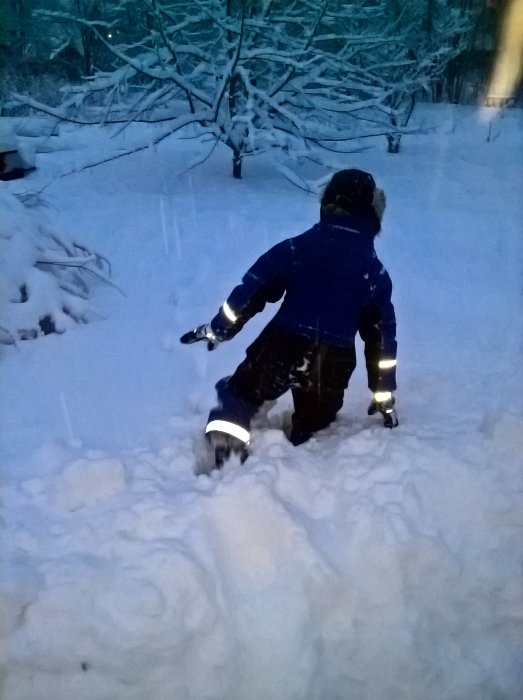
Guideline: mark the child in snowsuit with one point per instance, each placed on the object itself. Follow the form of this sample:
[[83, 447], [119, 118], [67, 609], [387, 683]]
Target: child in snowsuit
[[333, 286]]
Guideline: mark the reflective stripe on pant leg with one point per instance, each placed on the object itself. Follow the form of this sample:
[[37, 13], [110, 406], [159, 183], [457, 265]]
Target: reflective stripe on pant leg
[[225, 426], [233, 414]]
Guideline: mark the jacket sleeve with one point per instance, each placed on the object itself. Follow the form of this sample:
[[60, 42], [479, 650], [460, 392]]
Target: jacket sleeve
[[377, 329], [264, 282]]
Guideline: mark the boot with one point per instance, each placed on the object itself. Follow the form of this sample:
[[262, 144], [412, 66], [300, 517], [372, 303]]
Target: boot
[[224, 446]]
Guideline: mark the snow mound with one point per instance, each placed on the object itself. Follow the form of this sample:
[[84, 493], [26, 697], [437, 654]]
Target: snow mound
[[85, 482], [293, 575]]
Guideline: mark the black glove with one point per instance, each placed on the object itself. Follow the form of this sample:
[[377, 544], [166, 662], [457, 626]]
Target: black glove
[[385, 406], [204, 332]]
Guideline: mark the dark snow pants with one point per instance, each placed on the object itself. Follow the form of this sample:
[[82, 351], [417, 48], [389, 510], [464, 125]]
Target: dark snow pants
[[316, 373]]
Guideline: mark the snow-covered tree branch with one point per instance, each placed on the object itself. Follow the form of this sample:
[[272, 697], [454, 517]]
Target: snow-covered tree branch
[[46, 276], [296, 77]]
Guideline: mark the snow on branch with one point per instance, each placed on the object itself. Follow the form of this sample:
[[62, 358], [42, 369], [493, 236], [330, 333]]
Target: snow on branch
[[321, 71], [46, 276]]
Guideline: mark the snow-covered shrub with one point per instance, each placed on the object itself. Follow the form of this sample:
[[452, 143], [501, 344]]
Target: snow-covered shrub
[[44, 275]]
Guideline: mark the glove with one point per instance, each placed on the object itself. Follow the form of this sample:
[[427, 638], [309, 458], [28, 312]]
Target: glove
[[204, 332], [383, 402]]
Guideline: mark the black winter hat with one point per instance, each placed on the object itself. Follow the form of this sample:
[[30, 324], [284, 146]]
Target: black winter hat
[[352, 189]]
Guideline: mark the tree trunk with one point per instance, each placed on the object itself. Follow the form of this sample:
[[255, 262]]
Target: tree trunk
[[429, 17], [235, 8], [393, 141], [237, 165]]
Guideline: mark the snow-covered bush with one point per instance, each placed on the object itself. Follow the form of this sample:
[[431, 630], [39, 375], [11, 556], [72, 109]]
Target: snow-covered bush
[[44, 275]]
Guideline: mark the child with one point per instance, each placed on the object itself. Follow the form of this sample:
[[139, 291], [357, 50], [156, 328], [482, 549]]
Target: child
[[333, 286]]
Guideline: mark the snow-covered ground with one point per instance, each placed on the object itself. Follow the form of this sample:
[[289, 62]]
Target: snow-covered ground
[[367, 564]]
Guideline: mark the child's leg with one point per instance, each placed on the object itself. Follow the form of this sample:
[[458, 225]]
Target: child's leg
[[266, 373], [233, 414], [316, 405]]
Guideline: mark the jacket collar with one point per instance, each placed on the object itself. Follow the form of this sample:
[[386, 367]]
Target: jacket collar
[[351, 223]]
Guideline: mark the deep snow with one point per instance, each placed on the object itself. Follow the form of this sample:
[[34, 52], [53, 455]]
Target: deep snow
[[367, 564]]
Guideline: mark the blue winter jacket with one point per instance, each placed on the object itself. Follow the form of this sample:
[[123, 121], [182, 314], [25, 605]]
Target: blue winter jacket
[[329, 276]]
